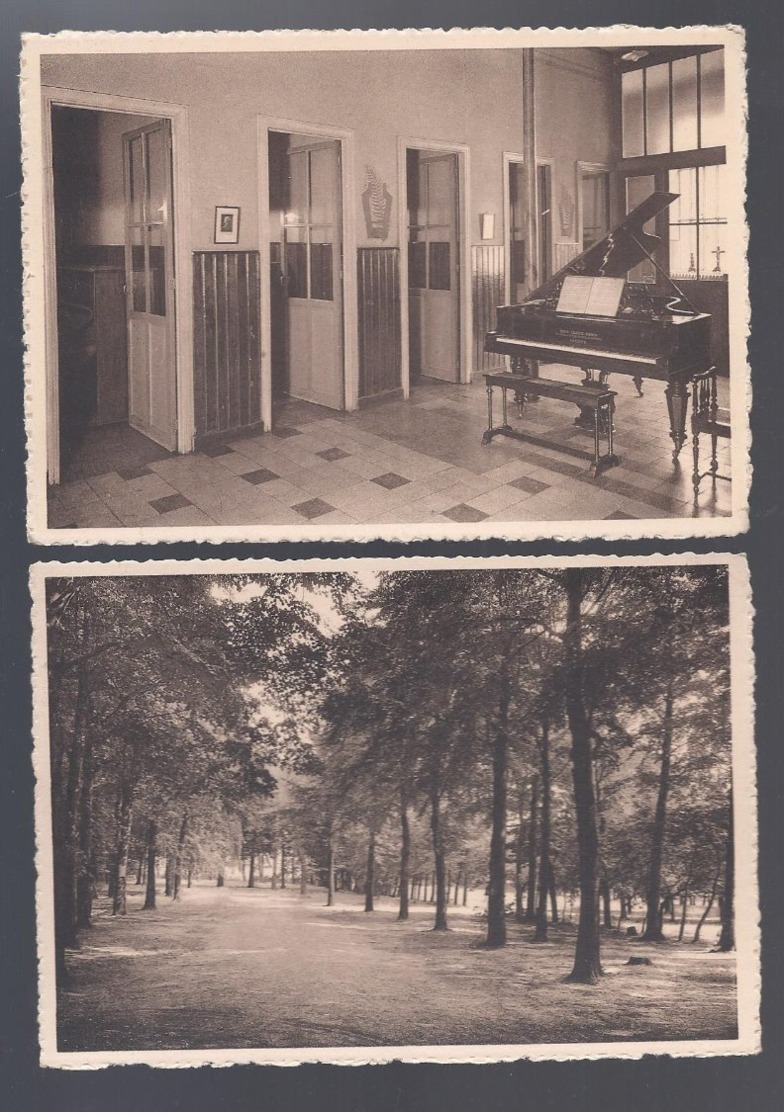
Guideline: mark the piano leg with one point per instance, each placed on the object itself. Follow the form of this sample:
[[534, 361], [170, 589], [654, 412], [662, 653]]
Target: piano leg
[[637, 380], [488, 434], [603, 424], [586, 417], [677, 401]]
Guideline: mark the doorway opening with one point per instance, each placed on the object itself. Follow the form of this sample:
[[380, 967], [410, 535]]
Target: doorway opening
[[516, 225], [432, 206], [307, 342], [112, 193], [544, 221]]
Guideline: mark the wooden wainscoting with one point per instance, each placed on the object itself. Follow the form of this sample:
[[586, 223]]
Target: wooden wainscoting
[[378, 296], [487, 292], [227, 349]]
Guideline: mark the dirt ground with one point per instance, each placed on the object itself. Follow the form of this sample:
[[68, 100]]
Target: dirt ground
[[233, 967]]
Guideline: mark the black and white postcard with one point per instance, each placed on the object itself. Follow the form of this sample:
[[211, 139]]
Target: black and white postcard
[[315, 285], [426, 810]]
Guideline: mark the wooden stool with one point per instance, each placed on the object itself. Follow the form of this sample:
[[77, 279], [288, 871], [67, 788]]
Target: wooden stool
[[707, 417]]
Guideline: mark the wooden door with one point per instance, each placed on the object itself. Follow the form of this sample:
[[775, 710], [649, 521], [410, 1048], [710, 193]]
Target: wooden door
[[312, 261], [149, 281], [433, 266], [518, 225]]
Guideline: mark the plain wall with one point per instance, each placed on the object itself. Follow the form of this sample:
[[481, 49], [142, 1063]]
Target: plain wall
[[576, 121], [460, 97]]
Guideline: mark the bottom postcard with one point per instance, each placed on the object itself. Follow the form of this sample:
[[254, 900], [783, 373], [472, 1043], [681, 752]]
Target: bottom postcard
[[431, 810]]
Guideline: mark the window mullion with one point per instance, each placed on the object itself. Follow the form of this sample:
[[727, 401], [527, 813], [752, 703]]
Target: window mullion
[[699, 213], [308, 225], [645, 111]]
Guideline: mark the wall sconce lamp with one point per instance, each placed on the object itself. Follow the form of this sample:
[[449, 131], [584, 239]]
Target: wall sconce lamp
[[487, 225]]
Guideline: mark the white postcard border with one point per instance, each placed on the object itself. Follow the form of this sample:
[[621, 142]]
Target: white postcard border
[[744, 806]]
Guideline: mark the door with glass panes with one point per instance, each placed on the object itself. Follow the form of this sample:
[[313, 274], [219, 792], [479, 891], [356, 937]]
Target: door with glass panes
[[312, 269], [433, 277], [149, 282]]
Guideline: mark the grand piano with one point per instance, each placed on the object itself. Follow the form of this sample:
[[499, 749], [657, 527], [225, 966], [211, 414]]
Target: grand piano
[[646, 334]]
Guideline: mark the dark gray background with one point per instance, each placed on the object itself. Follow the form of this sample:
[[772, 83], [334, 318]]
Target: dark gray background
[[743, 1083]]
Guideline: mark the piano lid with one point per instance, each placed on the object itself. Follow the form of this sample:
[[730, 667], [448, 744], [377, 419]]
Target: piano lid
[[617, 252]]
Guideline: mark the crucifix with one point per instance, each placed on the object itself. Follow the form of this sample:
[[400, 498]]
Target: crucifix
[[718, 253]]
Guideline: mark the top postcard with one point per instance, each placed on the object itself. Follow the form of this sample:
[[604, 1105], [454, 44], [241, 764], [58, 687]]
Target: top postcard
[[386, 285]]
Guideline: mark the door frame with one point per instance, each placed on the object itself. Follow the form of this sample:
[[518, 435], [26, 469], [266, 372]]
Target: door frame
[[600, 168], [509, 159], [549, 162], [265, 125], [465, 318], [183, 309]]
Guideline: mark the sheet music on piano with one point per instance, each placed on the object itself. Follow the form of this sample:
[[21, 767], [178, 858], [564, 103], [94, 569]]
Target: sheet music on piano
[[590, 294]]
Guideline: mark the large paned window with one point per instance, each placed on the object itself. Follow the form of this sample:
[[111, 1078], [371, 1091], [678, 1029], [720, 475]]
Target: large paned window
[[673, 140], [674, 106], [698, 223]]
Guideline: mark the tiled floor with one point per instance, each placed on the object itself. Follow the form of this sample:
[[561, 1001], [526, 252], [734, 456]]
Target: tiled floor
[[420, 461]]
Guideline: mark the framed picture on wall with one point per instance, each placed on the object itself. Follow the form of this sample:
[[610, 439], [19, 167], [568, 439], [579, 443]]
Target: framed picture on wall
[[227, 224]]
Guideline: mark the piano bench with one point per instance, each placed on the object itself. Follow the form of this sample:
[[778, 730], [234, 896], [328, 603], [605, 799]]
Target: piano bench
[[707, 417], [596, 398]]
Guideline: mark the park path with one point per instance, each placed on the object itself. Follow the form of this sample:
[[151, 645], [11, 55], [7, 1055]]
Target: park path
[[234, 968]]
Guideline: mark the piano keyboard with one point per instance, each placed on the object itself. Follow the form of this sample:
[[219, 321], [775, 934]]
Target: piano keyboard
[[578, 350]]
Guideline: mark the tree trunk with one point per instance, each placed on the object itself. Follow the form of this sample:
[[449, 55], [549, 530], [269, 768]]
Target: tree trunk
[[370, 873], [553, 896], [727, 936], [624, 909], [587, 961], [274, 880], [282, 864], [252, 870], [221, 882], [653, 912], [149, 895], [496, 890], [604, 889], [168, 877], [682, 927], [465, 888], [179, 855], [544, 838], [124, 820], [519, 848], [438, 854], [303, 873], [67, 843], [85, 881], [530, 899], [405, 859], [457, 885], [330, 873], [708, 907]]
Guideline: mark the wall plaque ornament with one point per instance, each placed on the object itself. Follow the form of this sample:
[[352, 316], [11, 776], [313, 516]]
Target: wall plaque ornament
[[377, 205]]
